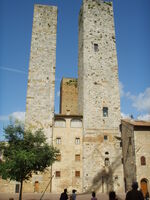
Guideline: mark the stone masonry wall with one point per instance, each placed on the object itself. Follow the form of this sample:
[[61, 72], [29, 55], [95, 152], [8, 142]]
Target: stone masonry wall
[[69, 96], [98, 70], [41, 79], [98, 88], [128, 152]]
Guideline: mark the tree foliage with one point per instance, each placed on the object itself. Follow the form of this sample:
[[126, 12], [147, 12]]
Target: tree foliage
[[25, 153]]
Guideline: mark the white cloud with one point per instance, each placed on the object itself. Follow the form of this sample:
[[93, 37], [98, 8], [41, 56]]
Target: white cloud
[[121, 89], [142, 101], [58, 94], [125, 116], [145, 117], [20, 116]]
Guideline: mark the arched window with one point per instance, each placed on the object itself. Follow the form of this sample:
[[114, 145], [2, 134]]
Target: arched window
[[76, 123], [60, 123], [143, 160]]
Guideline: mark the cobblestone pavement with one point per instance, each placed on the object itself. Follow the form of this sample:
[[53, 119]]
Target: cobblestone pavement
[[33, 196]]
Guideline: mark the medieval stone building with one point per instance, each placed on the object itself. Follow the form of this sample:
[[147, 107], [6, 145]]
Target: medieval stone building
[[87, 128]]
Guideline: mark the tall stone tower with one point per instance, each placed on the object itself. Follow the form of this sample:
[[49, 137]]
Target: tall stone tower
[[41, 79], [99, 100]]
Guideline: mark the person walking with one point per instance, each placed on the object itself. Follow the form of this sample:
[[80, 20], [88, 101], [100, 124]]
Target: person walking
[[93, 196], [134, 194], [73, 195], [64, 195], [112, 195]]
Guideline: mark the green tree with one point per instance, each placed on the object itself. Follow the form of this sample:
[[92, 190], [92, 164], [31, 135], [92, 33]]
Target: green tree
[[24, 153]]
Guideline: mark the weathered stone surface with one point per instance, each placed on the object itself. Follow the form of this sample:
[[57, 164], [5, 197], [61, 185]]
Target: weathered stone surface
[[68, 149], [135, 142], [41, 79], [69, 96], [98, 88]]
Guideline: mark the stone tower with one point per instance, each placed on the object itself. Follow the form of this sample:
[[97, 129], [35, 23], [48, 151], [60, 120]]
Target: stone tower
[[41, 79], [99, 100], [69, 96]]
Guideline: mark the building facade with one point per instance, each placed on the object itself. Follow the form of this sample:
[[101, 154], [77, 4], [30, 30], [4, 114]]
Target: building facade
[[41, 78], [86, 131], [136, 153], [99, 99]]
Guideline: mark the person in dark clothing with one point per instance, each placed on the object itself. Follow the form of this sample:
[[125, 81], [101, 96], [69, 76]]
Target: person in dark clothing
[[134, 194], [64, 195], [112, 195]]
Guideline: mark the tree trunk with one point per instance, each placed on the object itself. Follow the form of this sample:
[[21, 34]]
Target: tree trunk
[[20, 193]]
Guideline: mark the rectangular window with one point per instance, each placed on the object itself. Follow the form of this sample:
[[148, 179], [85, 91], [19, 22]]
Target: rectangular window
[[95, 47], [57, 174], [58, 140], [105, 137], [77, 141], [58, 157], [77, 173], [130, 142], [77, 157], [105, 111], [17, 188]]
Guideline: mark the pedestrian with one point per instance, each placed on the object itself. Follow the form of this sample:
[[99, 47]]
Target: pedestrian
[[73, 195], [147, 196], [112, 195], [64, 195], [93, 196], [134, 194]]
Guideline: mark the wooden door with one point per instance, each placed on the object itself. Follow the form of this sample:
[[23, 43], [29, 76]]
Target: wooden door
[[36, 186], [144, 187]]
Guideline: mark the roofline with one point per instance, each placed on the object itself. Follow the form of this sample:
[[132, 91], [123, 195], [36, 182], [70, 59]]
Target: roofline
[[136, 123], [67, 116]]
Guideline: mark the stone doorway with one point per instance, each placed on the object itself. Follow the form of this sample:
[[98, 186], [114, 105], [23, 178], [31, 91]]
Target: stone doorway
[[144, 186]]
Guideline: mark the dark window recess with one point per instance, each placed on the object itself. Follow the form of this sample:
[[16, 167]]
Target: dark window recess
[[106, 152], [121, 144], [107, 162], [105, 111], [77, 173], [57, 174], [130, 141], [17, 188], [105, 137], [143, 160], [96, 47]]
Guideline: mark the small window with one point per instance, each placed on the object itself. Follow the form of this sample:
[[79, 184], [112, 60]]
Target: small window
[[106, 152], [17, 188], [107, 162], [58, 157], [105, 137], [58, 140], [77, 173], [143, 160], [105, 111], [130, 141], [77, 141], [121, 144], [96, 47], [57, 174], [77, 157]]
